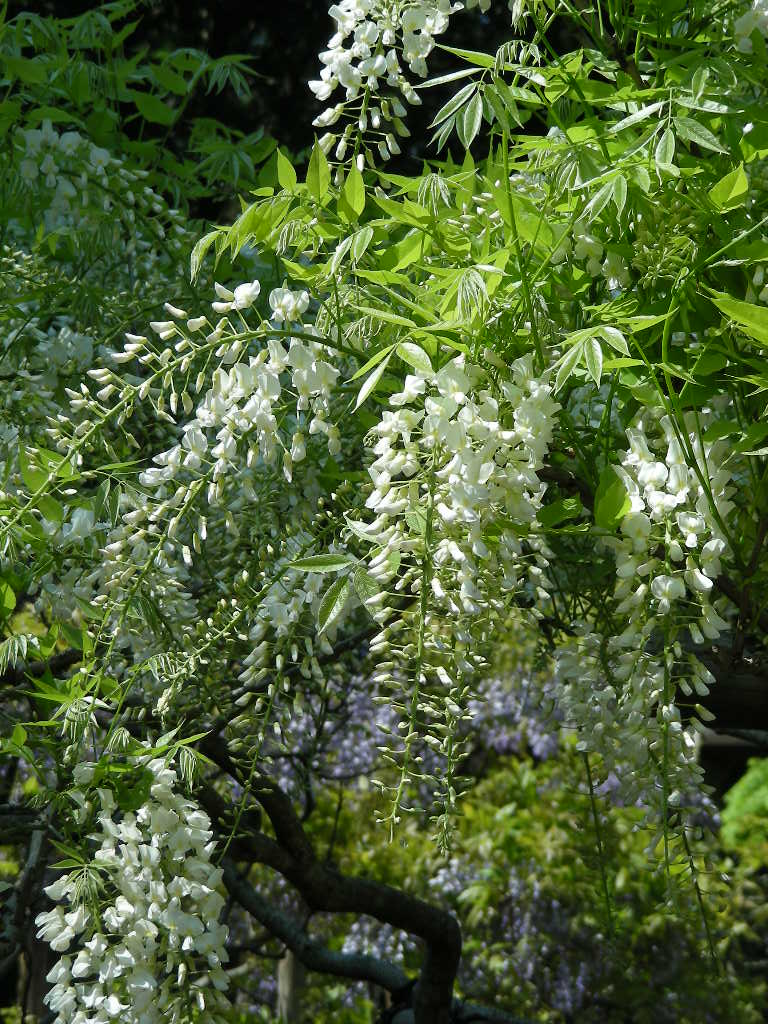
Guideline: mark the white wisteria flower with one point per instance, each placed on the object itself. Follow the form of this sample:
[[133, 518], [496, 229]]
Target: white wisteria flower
[[155, 947]]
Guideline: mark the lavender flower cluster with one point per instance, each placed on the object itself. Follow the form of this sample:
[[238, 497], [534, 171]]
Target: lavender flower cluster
[[515, 713]]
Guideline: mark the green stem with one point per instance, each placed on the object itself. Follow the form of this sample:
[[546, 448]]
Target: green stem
[[600, 847], [519, 254]]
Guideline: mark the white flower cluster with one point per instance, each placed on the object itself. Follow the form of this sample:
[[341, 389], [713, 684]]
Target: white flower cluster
[[618, 692], [671, 543], [622, 702], [38, 360], [77, 182], [484, 445], [372, 42], [755, 19], [155, 949], [242, 399], [281, 632], [586, 249], [758, 288], [373, 39], [116, 555]]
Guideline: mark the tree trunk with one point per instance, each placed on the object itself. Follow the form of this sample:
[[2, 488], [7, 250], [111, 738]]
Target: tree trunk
[[32, 984], [291, 980]]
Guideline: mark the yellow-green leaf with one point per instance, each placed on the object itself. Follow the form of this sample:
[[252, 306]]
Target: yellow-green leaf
[[611, 499], [318, 173], [416, 356], [730, 191], [354, 191], [332, 602], [751, 319], [369, 384], [286, 175]]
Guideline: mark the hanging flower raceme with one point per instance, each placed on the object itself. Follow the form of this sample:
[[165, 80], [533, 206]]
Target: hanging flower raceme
[[672, 541], [366, 55], [621, 690], [138, 925], [455, 494], [623, 705], [244, 395], [475, 446]]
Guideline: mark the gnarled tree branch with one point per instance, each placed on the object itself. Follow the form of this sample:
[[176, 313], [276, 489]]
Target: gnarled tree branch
[[314, 956], [324, 889]]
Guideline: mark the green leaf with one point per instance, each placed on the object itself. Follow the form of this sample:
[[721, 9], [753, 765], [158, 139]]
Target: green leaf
[[637, 117], [709, 363], [559, 511], [340, 252], [33, 477], [385, 315], [170, 79], [723, 428], [620, 193], [498, 108], [476, 57], [614, 337], [752, 319], [641, 177], [51, 509], [665, 149], [730, 191], [322, 563], [416, 356], [153, 109], [752, 438], [365, 585], [405, 252], [593, 354], [47, 643], [454, 103], [318, 173], [619, 363], [332, 602], [9, 114], [599, 201], [198, 253], [699, 82], [452, 76], [692, 131], [7, 597], [517, 93], [643, 322], [286, 175], [611, 499], [100, 498], [568, 364], [369, 385], [354, 191], [31, 72], [53, 114], [360, 242], [416, 520], [470, 120], [19, 735], [373, 361]]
